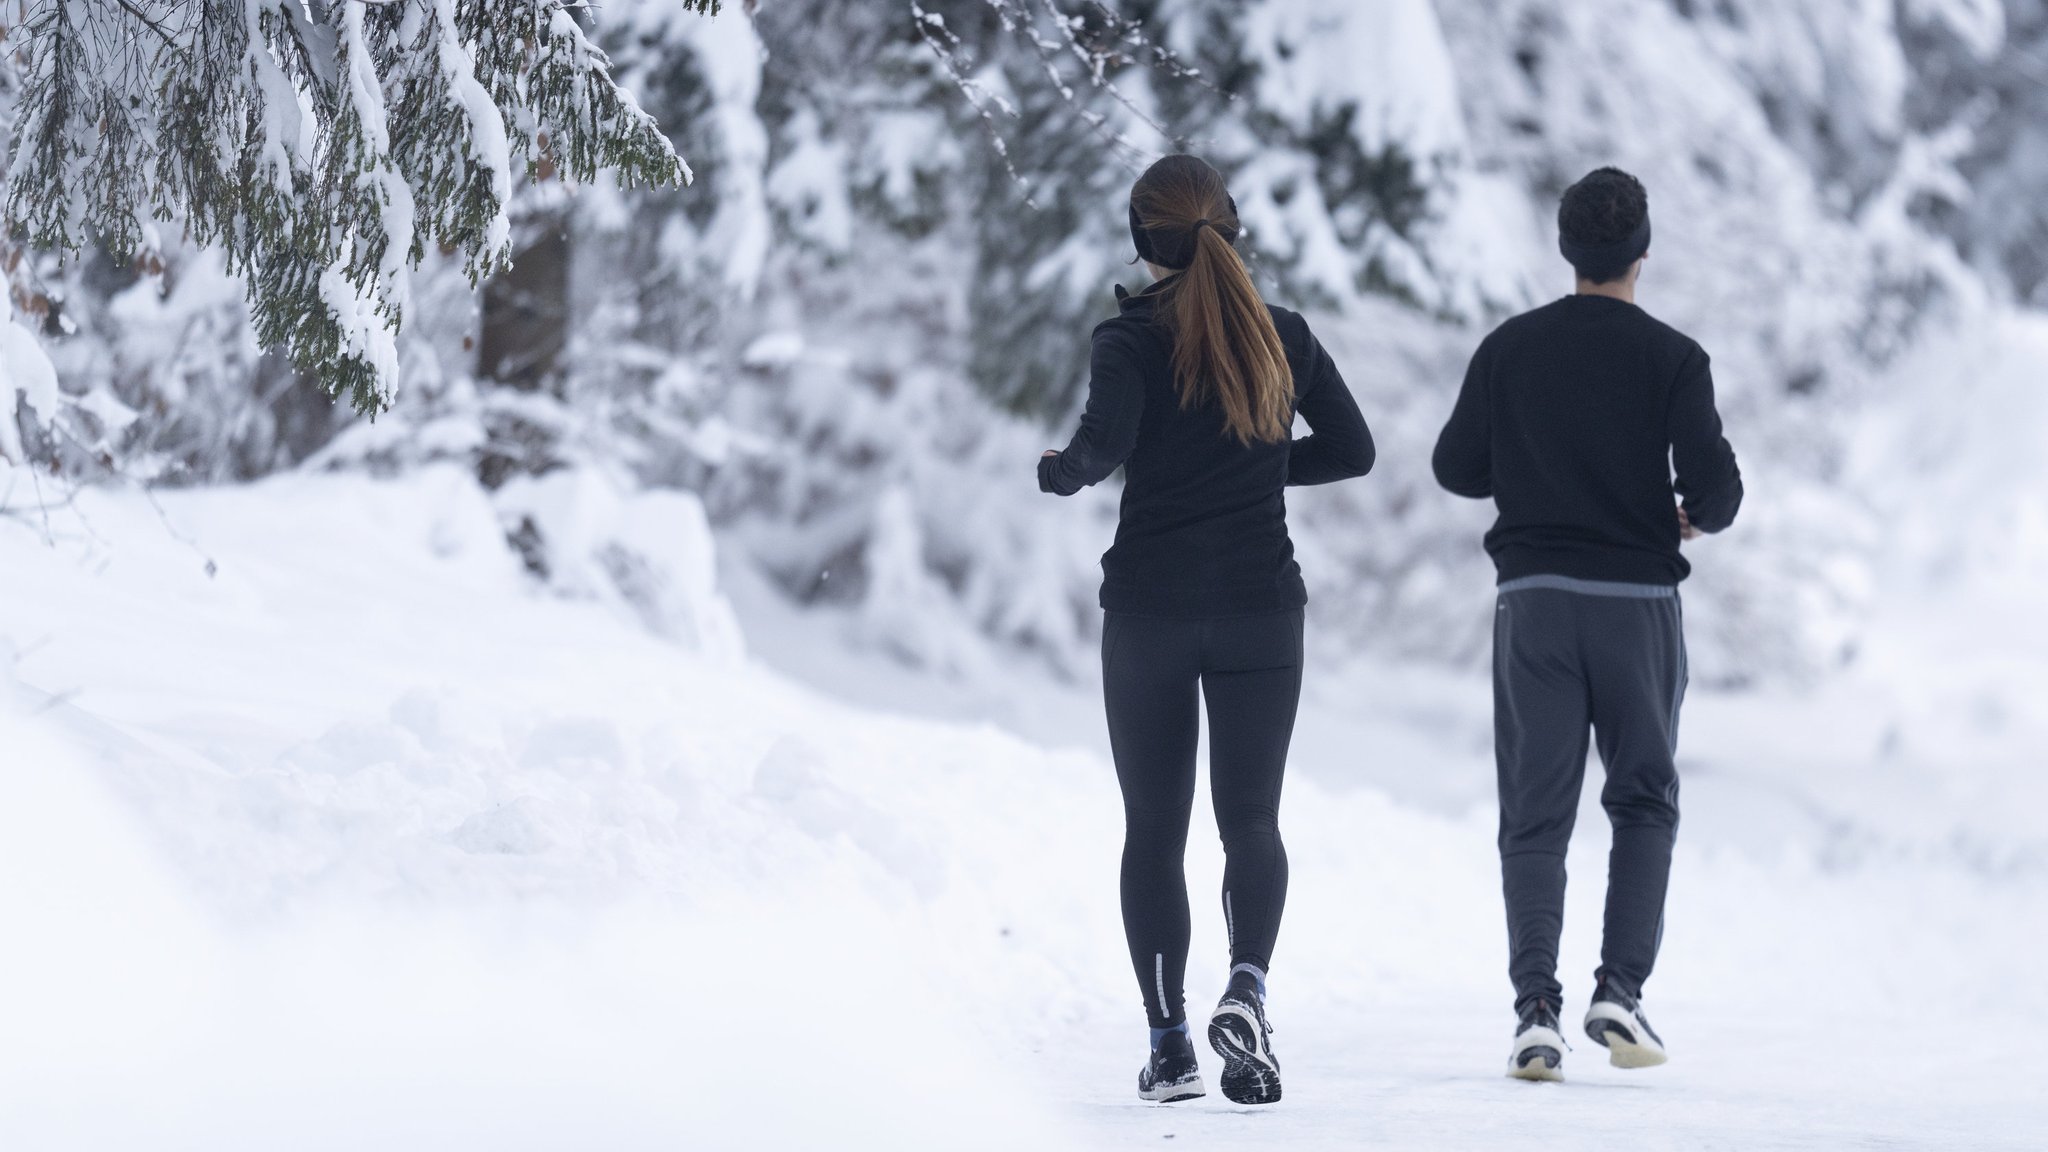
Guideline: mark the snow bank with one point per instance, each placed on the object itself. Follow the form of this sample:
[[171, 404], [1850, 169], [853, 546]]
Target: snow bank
[[313, 852], [346, 1025], [592, 535]]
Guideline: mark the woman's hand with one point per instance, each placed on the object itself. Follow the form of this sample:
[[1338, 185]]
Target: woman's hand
[[1045, 467], [1685, 529]]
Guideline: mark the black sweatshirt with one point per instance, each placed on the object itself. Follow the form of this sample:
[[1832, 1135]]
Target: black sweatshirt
[[1572, 418], [1203, 531]]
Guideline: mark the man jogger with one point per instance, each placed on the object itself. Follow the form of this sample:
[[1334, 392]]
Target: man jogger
[[1574, 418]]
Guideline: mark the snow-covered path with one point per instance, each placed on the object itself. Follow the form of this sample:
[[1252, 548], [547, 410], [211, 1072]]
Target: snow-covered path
[[1394, 1079], [367, 842]]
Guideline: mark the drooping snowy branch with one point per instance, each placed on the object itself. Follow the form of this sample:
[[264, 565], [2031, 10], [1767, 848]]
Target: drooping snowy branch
[[322, 145]]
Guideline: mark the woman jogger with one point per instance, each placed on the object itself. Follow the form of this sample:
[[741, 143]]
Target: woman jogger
[[1194, 389]]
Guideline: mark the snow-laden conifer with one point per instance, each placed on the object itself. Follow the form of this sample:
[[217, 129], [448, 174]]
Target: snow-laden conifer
[[322, 145]]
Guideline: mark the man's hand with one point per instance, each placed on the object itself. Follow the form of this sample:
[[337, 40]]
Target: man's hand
[[1047, 452], [1685, 529]]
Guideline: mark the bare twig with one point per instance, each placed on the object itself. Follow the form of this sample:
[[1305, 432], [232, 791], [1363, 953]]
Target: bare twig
[[976, 94], [1020, 19], [171, 529], [148, 21]]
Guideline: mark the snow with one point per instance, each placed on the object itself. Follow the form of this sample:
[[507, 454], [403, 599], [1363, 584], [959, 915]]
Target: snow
[[810, 185], [1387, 61], [334, 818], [652, 550], [365, 313], [365, 334], [731, 55], [486, 141], [105, 407], [372, 838], [773, 349], [1978, 23], [852, 208], [286, 143]]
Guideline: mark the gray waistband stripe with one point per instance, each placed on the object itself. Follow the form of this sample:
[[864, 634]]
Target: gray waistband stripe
[[1593, 587]]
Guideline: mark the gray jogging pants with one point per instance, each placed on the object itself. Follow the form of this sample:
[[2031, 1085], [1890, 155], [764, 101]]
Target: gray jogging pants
[[1573, 658]]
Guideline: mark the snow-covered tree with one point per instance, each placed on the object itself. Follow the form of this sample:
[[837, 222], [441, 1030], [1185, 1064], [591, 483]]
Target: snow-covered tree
[[322, 146]]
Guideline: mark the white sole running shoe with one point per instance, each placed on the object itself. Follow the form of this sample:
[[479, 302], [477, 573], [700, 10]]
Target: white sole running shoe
[[1622, 1029], [1237, 1031], [1538, 1054], [1171, 1073], [1187, 1089]]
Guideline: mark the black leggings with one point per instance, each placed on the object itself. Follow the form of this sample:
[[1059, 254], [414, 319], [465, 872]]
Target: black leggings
[[1249, 670]]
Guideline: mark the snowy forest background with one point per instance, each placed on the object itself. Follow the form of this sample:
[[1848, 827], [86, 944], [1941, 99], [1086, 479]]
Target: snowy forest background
[[873, 301], [690, 617]]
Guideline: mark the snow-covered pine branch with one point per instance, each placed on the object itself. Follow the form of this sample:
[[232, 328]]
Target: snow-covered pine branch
[[321, 145]]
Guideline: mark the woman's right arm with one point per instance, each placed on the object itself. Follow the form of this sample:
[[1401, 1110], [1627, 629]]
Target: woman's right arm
[[1109, 425]]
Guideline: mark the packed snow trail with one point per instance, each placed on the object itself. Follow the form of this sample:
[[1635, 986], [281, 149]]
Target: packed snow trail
[[370, 840]]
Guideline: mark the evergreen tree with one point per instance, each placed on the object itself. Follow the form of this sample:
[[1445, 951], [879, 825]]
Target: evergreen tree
[[321, 145]]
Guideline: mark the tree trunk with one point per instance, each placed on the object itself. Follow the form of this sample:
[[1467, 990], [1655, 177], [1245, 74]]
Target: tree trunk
[[526, 310]]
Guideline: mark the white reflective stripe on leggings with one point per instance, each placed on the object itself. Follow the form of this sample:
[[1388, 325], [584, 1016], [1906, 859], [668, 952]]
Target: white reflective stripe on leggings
[[1159, 979], [1229, 922]]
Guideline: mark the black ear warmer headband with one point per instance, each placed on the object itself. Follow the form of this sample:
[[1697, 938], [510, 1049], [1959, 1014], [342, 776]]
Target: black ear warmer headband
[[1172, 247], [1604, 262]]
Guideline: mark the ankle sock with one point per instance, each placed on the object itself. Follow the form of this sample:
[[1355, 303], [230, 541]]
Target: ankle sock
[[1159, 1034], [1255, 976]]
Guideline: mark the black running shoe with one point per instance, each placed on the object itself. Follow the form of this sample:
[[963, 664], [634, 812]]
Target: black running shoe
[[1171, 1073], [1539, 1045], [1240, 1034], [1616, 1022]]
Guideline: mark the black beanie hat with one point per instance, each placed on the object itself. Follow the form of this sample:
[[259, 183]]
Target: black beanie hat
[[1593, 207], [1603, 262]]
